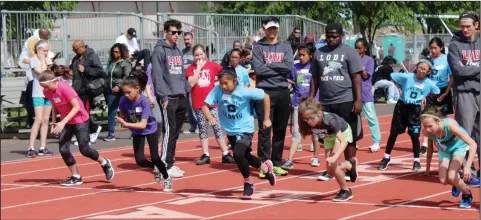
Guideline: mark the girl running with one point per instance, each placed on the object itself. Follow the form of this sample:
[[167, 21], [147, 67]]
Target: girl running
[[300, 78], [74, 121], [452, 141], [201, 76], [236, 118], [415, 88], [442, 76], [136, 115], [368, 107], [336, 133]]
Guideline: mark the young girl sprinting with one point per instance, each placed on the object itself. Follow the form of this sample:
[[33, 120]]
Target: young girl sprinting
[[300, 78], [201, 76], [452, 141], [74, 121], [336, 133], [407, 112], [368, 107], [136, 115], [236, 119]]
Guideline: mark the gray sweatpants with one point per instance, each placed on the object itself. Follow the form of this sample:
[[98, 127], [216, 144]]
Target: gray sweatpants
[[467, 114]]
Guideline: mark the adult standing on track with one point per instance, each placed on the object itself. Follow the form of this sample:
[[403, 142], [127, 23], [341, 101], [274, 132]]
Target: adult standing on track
[[463, 58], [272, 61], [171, 88], [336, 72]]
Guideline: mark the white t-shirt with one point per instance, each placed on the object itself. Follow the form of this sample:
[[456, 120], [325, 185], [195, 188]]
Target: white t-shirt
[[131, 44], [37, 90]]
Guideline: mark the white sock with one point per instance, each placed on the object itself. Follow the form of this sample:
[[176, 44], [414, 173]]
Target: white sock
[[425, 144], [417, 159], [206, 153], [225, 153], [76, 176], [104, 162], [387, 156]]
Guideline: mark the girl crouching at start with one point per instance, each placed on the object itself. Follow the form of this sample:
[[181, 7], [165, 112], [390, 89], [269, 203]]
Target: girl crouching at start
[[336, 133], [74, 121], [452, 141], [236, 118]]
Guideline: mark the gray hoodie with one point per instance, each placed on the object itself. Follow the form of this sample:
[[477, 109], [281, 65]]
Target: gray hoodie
[[168, 75], [461, 50], [272, 64]]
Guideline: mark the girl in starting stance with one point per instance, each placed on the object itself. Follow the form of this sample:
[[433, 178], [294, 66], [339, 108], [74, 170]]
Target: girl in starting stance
[[452, 141], [336, 133]]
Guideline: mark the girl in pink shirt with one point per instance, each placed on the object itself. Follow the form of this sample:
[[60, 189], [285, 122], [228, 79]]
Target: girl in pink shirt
[[74, 120]]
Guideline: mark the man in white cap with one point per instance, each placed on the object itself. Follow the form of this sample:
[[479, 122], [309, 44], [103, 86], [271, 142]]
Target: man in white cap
[[137, 55]]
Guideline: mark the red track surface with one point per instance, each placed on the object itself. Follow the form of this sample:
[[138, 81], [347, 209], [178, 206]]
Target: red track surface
[[30, 189]]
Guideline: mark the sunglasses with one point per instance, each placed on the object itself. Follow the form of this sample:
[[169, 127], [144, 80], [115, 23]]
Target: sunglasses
[[176, 32]]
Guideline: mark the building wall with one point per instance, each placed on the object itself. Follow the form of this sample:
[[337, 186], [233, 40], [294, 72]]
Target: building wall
[[147, 8]]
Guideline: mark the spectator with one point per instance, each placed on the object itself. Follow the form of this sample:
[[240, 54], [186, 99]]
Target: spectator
[[171, 87], [260, 34], [136, 55], [87, 72], [295, 39], [273, 61], [382, 80], [322, 42], [188, 60], [226, 60]]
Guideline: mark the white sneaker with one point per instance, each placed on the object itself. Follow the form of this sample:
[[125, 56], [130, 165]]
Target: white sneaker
[[173, 173], [315, 162], [76, 143], [391, 101], [375, 147], [178, 169], [74, 138], [168, 184], [94, 136]]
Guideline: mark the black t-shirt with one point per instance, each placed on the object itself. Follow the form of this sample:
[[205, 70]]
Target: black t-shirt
[[382, 72]]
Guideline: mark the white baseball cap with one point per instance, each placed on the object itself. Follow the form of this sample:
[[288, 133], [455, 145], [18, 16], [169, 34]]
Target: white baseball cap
[[271, 24]]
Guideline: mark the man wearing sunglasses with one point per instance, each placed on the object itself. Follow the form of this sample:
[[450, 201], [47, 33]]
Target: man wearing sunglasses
[[336, 72], [171, 88], [272, 61]]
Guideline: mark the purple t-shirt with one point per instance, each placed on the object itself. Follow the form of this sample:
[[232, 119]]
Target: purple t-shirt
[[368, 63], [302, 77], [134, 112]]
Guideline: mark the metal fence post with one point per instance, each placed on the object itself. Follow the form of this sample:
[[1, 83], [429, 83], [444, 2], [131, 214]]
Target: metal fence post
[[142, 40], [304, 26], [65, 37], [414, 56], [4, 39], [118, 23]]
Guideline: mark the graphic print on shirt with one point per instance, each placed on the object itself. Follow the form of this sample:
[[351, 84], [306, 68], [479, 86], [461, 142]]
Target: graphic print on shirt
[[331, 67], [231, 107], [273, 57], [135, 116], [471, 57], [204, 78], [301, 75], [175, 65], [321, 133]]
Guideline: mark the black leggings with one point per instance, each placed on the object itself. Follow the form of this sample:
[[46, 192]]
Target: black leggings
[[153, 140], [82, 134], [241, 145], [414, 139]]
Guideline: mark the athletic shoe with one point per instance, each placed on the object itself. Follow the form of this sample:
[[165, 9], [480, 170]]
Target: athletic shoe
[[416, 166], [325, 176], [174, 173], [315, 162], [279, 171], [455, 191], [157, 175], [204, 159], [384, 163], [262, 175], [375, 147], [72, 181], [168, 184], [248, 191], [31, 153], [94, 136], [270, 173], [473, 182], [178, 169], [343, 196], [108, 170], [45, 152], [109, 138], [228, 159], [466, 201], [424, 149], [299, 148], [353, 172], [311, 148], [288, 165]]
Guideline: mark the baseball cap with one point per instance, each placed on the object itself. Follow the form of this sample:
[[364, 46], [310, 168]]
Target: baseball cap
[[271, 24], [309, 38], [334, 27], [132, 32]]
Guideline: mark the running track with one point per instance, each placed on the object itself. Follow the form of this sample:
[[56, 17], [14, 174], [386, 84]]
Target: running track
[[30, 189]]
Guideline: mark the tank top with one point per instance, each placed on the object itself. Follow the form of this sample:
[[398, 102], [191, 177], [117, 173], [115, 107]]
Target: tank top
[[449, 142]]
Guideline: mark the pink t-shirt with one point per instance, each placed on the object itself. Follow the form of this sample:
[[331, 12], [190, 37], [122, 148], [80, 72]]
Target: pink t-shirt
[[60, 99]]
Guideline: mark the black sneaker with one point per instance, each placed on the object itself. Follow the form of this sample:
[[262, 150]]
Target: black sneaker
[[325, 176], [384, 163], [72, 181], [228, 159], [343, 196], [204, 159], [353, 172], [270, 175], [424, 149], [108, 170], [416, 166], [248, 191]]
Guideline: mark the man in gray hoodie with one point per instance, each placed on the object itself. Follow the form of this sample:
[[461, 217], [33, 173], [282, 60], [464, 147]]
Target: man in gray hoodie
[[170, 87], [463, 58], [272, 62]]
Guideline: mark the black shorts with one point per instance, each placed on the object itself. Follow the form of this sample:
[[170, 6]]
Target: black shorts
[[406, 116], [344, 110], [244, 138], [446, 105]]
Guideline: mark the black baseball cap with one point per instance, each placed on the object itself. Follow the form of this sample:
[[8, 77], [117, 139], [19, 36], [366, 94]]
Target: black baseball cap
[[334, 28], [132, 32]]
